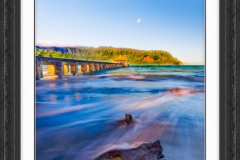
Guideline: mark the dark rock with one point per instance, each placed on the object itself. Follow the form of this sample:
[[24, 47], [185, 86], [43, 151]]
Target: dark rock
[[146, 151], [128, 118]]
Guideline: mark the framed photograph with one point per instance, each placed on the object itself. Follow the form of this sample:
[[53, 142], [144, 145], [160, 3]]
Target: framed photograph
[[118, 80], [114, 83]]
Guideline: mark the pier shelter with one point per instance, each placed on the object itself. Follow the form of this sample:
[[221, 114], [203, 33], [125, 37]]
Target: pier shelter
[[122, 60]]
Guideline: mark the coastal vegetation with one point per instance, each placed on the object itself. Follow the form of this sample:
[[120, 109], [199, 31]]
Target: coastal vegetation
[[155, 57]]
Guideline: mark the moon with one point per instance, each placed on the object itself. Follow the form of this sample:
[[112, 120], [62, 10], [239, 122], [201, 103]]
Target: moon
[[139, 20]]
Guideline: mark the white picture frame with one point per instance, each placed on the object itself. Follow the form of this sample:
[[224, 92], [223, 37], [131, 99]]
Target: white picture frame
[[27, 79]]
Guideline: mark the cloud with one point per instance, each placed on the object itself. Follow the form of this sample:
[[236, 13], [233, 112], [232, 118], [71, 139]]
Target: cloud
[[139, 20], [44, 43], [47, 43]]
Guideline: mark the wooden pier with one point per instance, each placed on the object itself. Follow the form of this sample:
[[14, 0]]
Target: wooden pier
[[67, 67]]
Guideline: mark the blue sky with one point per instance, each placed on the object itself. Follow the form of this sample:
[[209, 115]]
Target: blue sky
[[176, 26]]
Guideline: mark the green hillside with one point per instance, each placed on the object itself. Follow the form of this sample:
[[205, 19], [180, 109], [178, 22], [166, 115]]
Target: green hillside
[[108, 53]]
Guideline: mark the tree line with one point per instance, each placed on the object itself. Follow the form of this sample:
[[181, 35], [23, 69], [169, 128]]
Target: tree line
[[109, 53]]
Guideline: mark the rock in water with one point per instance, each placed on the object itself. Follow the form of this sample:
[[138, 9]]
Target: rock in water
[[146, 151], [128, 118]]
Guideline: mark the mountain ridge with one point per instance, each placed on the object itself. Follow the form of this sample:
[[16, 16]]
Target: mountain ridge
[[107, 53]]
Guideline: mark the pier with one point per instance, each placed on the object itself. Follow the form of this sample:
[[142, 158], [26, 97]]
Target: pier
[[71, 67]]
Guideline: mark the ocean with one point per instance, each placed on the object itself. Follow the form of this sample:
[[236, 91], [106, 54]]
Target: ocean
[[77, 117]]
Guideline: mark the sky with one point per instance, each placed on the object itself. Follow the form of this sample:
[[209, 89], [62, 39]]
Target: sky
[[176, 26]]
